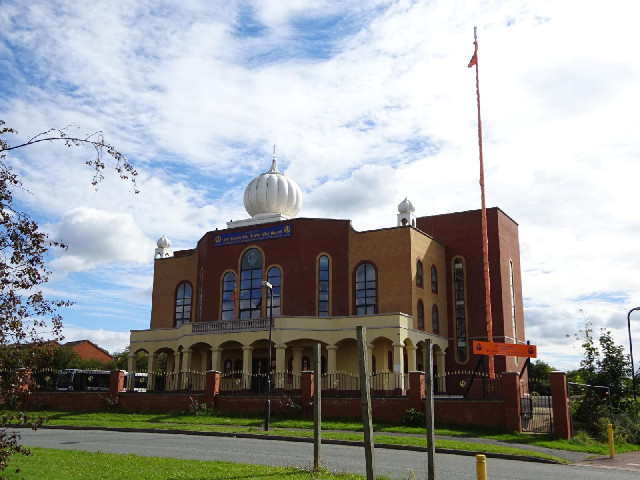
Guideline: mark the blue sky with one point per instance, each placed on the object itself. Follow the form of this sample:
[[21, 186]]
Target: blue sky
[[366, 102]]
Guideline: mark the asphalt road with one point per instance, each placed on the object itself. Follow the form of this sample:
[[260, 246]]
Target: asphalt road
[[392, 463]]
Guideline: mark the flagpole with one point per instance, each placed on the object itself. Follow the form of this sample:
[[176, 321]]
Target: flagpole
[[485, 237]]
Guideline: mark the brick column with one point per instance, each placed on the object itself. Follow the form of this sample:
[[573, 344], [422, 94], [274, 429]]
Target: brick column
[[116, 383], [306, 391], [560, 405], [416, 389], [511, 392]]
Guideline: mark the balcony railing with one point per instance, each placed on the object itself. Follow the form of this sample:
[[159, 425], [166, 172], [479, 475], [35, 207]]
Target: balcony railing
[[228, 326]]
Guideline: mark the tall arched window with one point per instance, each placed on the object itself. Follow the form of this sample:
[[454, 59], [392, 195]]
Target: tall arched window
[[251, 284], [183, 304], [365, 289], [274, 277], [228, 296], [420, 315], [390, 361], [435, 319], [460, 309], [513, 306], [434, 279], [419, 279], [323, 286], [513, 302]]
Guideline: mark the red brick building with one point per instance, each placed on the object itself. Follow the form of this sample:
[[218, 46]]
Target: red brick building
[[420, 278], [88, 350]]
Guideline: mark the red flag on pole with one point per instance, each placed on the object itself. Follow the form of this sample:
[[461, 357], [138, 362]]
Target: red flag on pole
[[474, 59]]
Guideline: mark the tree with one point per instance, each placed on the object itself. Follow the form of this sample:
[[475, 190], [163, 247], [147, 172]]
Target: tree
[[603, 365], [122, 360], [29, 321]]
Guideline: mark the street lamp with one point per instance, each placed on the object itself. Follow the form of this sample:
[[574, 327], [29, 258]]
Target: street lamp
[[267, 417], [633, 372]]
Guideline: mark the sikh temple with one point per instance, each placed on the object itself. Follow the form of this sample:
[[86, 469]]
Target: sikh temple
[[318, 278]]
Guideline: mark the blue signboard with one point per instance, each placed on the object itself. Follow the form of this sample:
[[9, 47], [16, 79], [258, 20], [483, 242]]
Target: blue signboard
[[257, 235]]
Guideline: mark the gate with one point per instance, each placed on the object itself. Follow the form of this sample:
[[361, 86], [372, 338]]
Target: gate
[[536, 412]]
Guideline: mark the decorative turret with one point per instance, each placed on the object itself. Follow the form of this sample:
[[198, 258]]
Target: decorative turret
[[164, 248], [405, 213]]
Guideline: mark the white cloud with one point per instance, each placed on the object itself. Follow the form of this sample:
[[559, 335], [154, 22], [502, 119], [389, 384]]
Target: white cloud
[[95, 237], [111, 341]]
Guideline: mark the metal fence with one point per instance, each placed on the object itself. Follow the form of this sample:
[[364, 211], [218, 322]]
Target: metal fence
[[179, 382], [468, 384]]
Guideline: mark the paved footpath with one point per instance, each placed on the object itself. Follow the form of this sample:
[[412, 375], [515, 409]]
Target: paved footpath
[[629, 461]]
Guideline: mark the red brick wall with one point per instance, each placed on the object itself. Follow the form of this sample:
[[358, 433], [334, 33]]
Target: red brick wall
[[461, 233], [475, 412], [67, 401], [160, 402], [295, 255], [97, 401]]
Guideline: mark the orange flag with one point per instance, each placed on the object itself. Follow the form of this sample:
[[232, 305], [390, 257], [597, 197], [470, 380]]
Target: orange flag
[[474, 59]]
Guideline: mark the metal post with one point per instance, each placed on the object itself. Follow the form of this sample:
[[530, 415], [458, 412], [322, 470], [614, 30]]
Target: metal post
[[633, 373], [317, 412], [429, 408], [267, 416]]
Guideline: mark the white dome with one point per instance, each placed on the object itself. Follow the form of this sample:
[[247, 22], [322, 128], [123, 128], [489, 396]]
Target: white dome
[[273, 193], [406, 206], [163, 242]]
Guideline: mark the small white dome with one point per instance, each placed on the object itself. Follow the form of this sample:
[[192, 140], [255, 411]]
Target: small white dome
[[406, 206], [163, 242], [273, 193]]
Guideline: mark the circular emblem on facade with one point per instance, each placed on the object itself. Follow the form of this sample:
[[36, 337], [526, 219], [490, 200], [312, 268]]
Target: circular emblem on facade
[[478, 347], [530, 350], [287, 229], [252, 258], [218, 239], [462, 383]]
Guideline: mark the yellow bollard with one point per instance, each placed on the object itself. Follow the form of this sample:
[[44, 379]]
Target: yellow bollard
[[610, 430], [481, 467]]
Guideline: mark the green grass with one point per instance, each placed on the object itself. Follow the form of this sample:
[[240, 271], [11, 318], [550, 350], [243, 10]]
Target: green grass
[[332, 429], [50, 464]]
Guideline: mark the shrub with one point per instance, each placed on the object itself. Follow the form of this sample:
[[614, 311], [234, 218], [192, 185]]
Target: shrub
[[413, 418]]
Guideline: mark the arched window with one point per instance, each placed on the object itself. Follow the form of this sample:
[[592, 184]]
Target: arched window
[[274, 277], [420, 315], [227, 366], [183, 304], [390, 361], [306, 364], [513, 306], [435, 320], [419, 273], [434, 279], [460, 309], [365, 289], [373, 364], [405, 357], [513, 302], [323, 286], [251, 284], [237, 365], [228, 296]]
